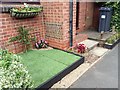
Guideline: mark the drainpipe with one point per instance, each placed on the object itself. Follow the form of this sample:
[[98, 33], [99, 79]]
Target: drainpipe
[[71, 22]]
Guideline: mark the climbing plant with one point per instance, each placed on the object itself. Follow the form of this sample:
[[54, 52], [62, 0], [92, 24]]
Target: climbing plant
[[115, 22]]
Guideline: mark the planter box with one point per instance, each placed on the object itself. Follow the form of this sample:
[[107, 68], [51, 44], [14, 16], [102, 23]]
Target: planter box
[[49, 83], [24, 14], [111, 46]]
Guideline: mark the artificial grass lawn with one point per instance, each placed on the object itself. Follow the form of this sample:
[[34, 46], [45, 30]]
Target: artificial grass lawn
[[44, 64]]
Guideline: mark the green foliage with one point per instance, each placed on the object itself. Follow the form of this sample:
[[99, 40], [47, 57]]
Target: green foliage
[[116, 14], [12, 73], [27, 9], [23, 37], [6, 57], [113, 38]]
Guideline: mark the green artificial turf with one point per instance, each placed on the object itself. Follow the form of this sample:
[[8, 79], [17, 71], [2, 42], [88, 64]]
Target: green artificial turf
[[44, 64]]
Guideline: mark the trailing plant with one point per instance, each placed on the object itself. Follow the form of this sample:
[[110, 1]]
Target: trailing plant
[[23, 37], [41, 44], [12, 73]]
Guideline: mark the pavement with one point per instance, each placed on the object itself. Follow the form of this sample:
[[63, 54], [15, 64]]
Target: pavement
[[104, 74]]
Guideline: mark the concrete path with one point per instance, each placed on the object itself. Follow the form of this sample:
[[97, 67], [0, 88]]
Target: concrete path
[[103, 74]]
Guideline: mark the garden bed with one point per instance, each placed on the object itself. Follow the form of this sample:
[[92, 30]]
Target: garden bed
[[111, 46], [49, 66]]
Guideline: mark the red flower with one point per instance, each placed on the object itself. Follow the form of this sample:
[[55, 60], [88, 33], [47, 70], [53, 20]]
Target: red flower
[[81, 48]]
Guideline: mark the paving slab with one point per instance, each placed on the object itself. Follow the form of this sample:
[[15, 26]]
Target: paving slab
[[95, 35], [90, 44], [99, 51]]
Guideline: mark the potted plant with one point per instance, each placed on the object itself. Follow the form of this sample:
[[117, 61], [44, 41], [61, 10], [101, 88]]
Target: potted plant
[[112, 41], [26, 11]]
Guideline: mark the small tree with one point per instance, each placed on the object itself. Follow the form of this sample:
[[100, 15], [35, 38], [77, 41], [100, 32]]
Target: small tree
[[23, 37]]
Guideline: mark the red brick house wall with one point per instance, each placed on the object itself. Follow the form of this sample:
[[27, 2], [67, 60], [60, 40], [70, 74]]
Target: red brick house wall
[[55, 14], [9, 28], [52, 24], [96, 15], [89, 15], [85, 15], [58, 14]]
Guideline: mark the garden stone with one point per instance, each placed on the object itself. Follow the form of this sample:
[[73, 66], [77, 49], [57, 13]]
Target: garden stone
[[99, 51]]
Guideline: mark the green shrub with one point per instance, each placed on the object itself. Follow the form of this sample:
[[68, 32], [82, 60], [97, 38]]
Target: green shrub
[[27, 9], [12, 73], [23, 37], [118, 35], [113, 38]]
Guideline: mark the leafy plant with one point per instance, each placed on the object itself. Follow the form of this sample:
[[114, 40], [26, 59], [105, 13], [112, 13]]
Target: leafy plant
[[41, 44], [26, 9], [116, 14], [113, 38], [12, 73], [23, 37], [4, 55]]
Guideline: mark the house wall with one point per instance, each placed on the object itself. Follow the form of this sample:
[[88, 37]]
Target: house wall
[[85, 16], [52, 24], [9, 26], [56, 19], [96, 16]]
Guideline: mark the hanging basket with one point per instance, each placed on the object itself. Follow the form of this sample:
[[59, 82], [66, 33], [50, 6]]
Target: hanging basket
[[28, 12]]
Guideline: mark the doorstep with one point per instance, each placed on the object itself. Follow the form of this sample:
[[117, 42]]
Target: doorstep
[[99, 51], [90, 44]]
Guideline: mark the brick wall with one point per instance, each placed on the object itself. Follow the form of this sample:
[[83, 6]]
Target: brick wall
[[89, 15], [9, 28], [82, 23], [85, 15], [52, 24], [96, 16], [56, 19]]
